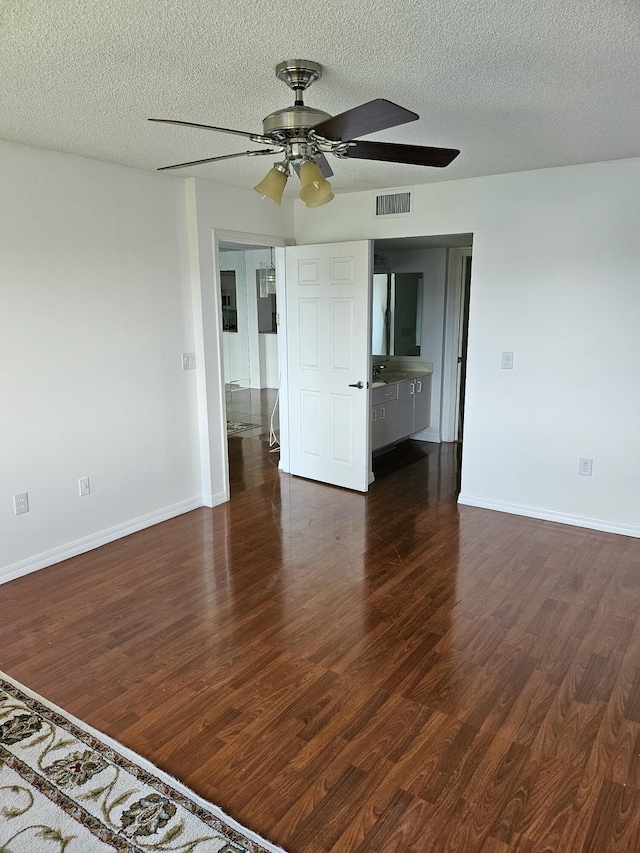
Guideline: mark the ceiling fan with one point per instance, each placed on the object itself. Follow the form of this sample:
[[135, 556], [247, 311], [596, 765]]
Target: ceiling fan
[[305, 135]]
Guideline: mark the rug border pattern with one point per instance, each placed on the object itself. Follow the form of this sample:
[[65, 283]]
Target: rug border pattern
[[56, 716], [66, 803]]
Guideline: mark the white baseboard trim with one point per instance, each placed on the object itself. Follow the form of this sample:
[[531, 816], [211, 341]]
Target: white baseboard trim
[[428, 435], [214, 500], [88, 543], [550, 515]]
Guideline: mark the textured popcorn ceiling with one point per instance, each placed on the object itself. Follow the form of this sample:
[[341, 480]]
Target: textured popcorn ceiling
[[515, 85]]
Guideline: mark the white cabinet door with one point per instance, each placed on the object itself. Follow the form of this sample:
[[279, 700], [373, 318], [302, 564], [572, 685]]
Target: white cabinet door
[[406, 394], [422, 404], [328, 301], [377, 427], [384, 427], [384, 415]]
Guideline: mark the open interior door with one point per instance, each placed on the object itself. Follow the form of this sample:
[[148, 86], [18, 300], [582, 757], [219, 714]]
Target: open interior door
[[328, 310]]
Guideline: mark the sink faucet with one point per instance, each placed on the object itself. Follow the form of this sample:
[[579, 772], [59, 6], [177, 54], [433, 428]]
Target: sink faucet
[[377, 369]]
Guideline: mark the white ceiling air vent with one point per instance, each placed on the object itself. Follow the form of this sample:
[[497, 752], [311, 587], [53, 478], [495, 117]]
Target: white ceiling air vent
[[393, 204]]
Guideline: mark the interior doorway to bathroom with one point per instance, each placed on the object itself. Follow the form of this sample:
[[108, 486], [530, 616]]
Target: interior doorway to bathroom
[[443, 264]]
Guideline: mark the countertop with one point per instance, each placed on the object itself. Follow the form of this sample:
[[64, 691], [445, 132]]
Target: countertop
[[389, 376]]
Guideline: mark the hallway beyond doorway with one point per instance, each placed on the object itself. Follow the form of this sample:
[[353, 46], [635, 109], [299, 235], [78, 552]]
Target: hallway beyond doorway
[[254, 406]]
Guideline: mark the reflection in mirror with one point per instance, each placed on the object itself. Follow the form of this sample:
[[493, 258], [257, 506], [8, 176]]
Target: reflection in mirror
[[229, 301], [397, 314], [380, 314], [267, 309]]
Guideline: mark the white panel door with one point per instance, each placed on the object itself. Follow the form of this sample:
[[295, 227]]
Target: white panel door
[[328, 289]]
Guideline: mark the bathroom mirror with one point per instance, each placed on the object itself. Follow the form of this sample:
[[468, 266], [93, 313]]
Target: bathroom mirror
[[229, 301], [396, 314], [267, 309]]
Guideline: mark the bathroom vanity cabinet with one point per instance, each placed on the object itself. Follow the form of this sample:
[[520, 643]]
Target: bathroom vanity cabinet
[[399, 409]]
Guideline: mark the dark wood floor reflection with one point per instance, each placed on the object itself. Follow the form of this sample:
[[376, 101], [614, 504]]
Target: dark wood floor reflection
[[359, 674]]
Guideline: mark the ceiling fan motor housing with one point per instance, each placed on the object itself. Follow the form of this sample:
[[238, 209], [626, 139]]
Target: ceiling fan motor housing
[[291, 123], [291, 119]]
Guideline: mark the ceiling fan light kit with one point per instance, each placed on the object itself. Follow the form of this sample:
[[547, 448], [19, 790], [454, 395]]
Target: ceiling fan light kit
[[319, 202], [273, 184], [313, 186], [305, 135]]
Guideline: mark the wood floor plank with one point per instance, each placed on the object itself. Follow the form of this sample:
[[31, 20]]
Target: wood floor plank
[[352, 673]]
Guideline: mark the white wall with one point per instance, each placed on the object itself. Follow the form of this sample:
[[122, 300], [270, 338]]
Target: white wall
[[269, 364], [555, 280], [95, 312], [253, 259], [107, 276], [236, 344]]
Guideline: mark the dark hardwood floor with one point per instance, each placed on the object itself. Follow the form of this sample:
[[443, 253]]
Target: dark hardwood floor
[[359, 674]]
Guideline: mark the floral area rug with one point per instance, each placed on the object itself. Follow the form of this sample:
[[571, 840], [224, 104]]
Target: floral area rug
[[67, 788], [239, 426]]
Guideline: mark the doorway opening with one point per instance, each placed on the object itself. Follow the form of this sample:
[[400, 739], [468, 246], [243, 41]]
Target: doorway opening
[[438, 333], [250, 363], [463, 334]]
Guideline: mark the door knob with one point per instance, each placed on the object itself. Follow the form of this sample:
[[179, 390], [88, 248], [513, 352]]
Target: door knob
[[357, 385]]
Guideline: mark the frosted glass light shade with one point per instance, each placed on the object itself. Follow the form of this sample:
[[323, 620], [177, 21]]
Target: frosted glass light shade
[[319, 202], [314, 185], [272, 185]]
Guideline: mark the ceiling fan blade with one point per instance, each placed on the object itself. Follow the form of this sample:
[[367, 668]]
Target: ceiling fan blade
[[367, 118], [415, 155], [213, 159], [257, 136]]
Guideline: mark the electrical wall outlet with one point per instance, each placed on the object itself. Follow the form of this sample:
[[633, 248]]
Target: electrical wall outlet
[[585, 467], [188, 361], [83, 486], [507, 361], [21, 503]]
